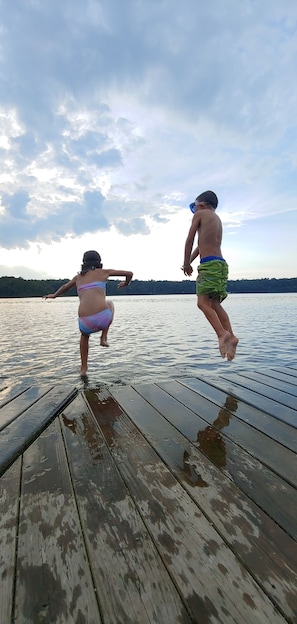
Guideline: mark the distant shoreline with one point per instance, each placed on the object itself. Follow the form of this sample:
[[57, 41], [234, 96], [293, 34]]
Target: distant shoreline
[[17, 287]]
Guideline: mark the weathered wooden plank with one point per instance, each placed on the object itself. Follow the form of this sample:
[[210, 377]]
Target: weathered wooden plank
[[281, 397], [280, 432], [9, 505], [203, 413], [213, 583], [53, 579], [132, 583], [262, 546], [289, 370], [9, 391], [279, 381], [265, 487], [259, 401], [20, 403], [17, 436]]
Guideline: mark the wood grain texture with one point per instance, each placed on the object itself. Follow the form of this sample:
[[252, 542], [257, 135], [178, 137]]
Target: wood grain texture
[[53, 582], [253, 536], [20, 403], [273, 406], [196, 556], [23, 430], [279, 431], [9, 507], [131, 581], [162, 503], [202, 413]]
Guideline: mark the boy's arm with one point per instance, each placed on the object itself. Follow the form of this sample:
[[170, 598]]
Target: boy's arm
[[64, 288], [188, 256], [194, 254]]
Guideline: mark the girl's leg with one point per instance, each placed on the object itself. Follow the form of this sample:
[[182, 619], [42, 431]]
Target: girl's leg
[[103, 339], [84, 352]]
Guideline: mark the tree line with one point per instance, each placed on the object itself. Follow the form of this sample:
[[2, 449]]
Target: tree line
[[19, 287]]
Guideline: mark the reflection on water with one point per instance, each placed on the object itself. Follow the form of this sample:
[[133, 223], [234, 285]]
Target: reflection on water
[[190, 471], [152, 338], [211, 442]]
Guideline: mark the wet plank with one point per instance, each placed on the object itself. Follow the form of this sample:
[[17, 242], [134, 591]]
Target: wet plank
[[180, 530], [279, 381], [21, 432], [255, 538], [271, 406], [288, 370], [20, 403], [292, 372], [53, 580], [9, 506], [9, 391], [277, 430], [164, 505], [202, 413], [255, 479], [280, 396], [131, 581]]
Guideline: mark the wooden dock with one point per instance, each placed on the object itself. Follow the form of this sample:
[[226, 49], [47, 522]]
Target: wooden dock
[[170, 503]]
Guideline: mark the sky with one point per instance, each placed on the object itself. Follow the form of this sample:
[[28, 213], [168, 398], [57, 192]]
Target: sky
[[116, 114]]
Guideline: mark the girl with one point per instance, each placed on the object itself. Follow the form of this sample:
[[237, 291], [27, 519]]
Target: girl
[[95, 313]]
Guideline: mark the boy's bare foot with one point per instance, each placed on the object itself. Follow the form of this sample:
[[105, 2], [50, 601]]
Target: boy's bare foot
[[231, 347], [83, 371], [223, 343]]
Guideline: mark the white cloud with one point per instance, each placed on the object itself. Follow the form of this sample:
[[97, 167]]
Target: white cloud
[[114, 115]]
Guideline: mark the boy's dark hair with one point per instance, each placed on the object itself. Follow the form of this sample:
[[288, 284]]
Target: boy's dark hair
[[208, 197], [91, 261]]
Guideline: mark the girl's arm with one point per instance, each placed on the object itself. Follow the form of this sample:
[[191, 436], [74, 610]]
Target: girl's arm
[[115, 273], [62, 289]]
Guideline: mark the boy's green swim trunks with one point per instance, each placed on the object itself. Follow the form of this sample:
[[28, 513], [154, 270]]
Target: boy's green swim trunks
[[212, 278]]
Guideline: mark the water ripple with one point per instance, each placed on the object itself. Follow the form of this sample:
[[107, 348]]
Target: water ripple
[[152, 338]]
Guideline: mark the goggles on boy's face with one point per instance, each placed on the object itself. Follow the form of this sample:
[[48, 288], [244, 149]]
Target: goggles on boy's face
[[194, 205]]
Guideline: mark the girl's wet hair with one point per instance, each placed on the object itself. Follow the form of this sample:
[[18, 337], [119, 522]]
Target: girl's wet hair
[[91, 261]]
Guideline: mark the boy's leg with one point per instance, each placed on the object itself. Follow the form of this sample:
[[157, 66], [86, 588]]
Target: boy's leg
[[225, 321], [84, 352], [205, 304], [222, 314], [103, 339]]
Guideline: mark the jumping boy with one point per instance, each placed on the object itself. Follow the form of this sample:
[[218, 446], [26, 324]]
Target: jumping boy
[[212, 271]]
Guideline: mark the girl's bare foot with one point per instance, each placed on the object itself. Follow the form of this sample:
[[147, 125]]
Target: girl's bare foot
[[103, 338], [231, 347], [223, 343]]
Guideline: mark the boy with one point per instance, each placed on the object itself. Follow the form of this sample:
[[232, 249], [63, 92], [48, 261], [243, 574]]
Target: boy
[[212, 270]]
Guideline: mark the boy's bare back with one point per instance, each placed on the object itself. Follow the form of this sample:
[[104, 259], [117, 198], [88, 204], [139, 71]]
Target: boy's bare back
[[209, 228]]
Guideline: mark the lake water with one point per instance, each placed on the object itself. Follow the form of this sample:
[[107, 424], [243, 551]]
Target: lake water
[[152, 338]]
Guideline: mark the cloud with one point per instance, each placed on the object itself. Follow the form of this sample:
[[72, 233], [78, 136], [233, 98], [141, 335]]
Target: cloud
[[133, 226], [22, 271], [119, 113], [16, 203]]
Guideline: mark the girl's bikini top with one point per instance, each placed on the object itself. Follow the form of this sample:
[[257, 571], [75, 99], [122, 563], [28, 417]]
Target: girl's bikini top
[[92, 285]]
